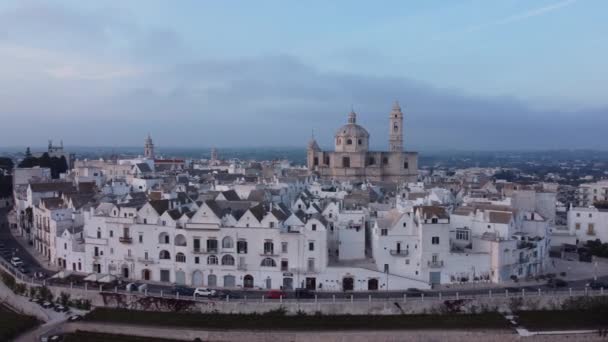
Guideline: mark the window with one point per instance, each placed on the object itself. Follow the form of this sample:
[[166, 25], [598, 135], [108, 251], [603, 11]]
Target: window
[[180, 240], [591, 229], [311, 265], [407, 261], [283, 247], [590, 215], [241, 247], [406, 165], [371, 161], [98, 233], [141, 238], [311, 246], [435, 240], [284, 265], [197, 260], [385, 268], [462, 234], [314, 227], [212, 260], [577, 226], [65, 246], [111, 233], [384, 232], [404, 224], [227, 242], [385, 160], [360, 142], [268, 247], [163, 238], [212, 245], [316, 161], [268, 262], [180, 257], [395, 128], [228, 260], [339, 141], [271, 224], [165, 255], [349, 142], [345, 162]]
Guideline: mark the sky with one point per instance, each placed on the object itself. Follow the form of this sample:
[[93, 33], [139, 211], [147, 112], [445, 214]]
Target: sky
[[469, 74]]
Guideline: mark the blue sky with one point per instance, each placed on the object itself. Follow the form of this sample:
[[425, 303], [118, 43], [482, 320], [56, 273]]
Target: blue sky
[[469, 74]]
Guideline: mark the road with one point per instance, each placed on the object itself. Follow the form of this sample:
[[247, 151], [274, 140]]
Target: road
[[9, 242]]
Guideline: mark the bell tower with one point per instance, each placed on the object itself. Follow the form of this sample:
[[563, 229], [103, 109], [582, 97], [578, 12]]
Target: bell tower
[[148, 147], [395, 140]]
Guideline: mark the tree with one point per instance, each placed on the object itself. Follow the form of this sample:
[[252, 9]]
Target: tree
[[6, 163]]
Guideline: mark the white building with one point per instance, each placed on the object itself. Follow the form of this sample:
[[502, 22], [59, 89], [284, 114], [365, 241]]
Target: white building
[[588, 223]]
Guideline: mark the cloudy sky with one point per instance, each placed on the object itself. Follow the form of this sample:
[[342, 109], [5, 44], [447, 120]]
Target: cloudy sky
[[469, 74]]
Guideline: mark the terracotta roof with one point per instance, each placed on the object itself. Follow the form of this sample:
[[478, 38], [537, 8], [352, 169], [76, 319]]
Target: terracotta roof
[[500, 217]]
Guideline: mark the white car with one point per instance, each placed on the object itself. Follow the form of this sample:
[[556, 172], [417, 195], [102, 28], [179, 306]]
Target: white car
[[204, 292], [16, 261]]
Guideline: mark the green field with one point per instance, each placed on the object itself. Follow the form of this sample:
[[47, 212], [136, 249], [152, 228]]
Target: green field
[[299, 322], [80, 336], [562, 320], [12, 324]]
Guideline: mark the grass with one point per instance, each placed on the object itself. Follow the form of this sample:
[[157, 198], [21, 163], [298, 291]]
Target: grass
[[13, 324], [79, 336], [562, 320], [279, 321]]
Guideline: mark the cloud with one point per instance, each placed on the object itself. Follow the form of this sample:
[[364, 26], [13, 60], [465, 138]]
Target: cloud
[[535, 12]]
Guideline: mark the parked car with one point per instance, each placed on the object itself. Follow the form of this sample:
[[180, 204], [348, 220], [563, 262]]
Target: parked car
[[136, 287], [75, 318], [204, 292], [556, 282], [597, 285], [16, 261], [304, 294], [275, 294], [47, 305], [183, 290], [23, 269], [413, 292], [61, 308], [223, 294], [39, 275]]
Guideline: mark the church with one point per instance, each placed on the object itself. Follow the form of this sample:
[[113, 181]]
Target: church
[[352, 159]]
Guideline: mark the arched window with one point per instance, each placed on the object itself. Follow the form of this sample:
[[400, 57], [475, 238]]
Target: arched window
[[227, 242], [268, 262], [339, 141], [372, 161], [180, 240], [165, 255], [349, 142], [396, 128], [163, 238], [228, 260], [180, 257], [212, 260]]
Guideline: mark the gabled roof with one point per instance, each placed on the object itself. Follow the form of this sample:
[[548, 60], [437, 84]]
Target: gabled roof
[[143, 167], [258, 211], [231, 195], [53, 187], [500, 217], [160, 206]]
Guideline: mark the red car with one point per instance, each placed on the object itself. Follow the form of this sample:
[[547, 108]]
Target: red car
[[275, 294]]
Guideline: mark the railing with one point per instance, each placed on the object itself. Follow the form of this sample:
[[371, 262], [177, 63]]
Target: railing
[[435, 264], [204, 251], [125, 239], [268, 253], [400, 252], [146, 260]]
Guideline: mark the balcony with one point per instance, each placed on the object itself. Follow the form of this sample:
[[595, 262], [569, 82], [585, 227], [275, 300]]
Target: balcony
[[435, 264], [400, 252], [269, 254], [204, 251], [146, 260], [125, 239], [129, 257], [241, 267]]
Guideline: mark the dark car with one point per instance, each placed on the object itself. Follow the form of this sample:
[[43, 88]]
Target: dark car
[[24, 269], [597, 285], [413, 292], [225, 294], [183, 291], [556, 282], [304, 294]]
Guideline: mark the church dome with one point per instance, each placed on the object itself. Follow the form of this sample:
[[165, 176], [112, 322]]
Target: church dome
[[351, 137]]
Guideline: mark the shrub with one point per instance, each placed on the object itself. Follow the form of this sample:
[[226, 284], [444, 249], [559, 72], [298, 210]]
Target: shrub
[[64, 298]]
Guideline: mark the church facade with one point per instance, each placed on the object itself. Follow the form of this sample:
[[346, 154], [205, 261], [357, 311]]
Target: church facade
[[352, 159]]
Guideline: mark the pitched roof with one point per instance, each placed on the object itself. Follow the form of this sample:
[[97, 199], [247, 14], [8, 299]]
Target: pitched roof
[[160, 206], [500, 217], [53, 187], [143, 167], [231, 195], [258, 211], [428, 211]]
